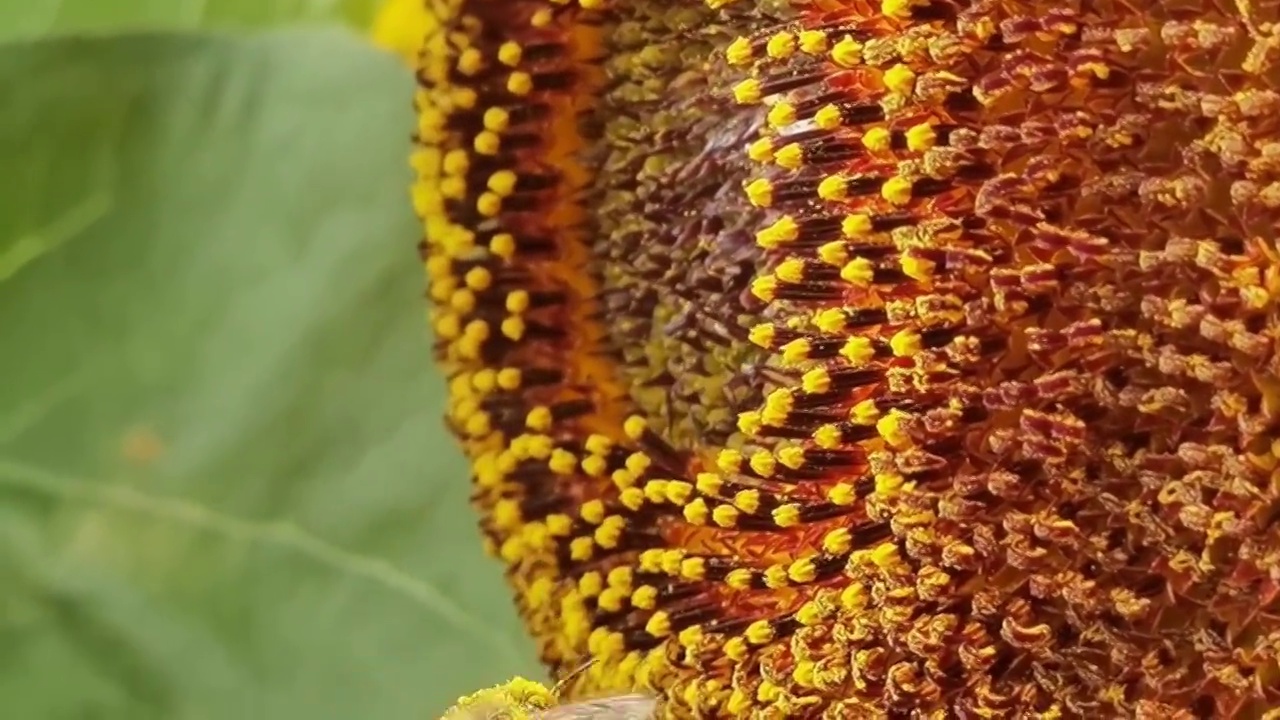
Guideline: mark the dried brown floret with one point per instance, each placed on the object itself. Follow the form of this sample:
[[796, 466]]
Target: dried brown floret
[[832, 359]]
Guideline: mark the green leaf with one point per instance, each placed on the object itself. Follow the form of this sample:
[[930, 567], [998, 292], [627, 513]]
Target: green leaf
[[37, 18], [225, 488]]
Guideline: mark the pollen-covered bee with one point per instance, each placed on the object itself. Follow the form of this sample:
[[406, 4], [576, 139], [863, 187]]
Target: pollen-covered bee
[[521, 699]]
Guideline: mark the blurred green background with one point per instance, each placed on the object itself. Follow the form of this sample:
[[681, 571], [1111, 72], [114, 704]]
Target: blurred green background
[[225, 491]]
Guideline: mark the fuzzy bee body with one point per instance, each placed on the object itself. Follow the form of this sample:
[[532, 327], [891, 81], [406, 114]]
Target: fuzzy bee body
[[521, 699], [616, 707]]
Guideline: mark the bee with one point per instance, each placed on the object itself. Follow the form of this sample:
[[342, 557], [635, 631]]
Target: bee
[[521, 699]]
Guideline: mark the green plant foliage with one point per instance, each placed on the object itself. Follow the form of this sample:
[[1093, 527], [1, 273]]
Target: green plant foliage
[[225, 489], [34, 18]]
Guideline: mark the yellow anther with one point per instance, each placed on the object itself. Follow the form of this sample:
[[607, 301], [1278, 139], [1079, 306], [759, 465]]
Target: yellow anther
[[487, 143], [796, 351], [858, 271], [762, 335], [645, 597], [847, 53], [696, 512], [759, 632], [838, 541], [470, 61], [609, 534], [889, 484], [810, 614], [864, 413], [478, 278], [559, 525], [711, 483], [921, 137], [690, 637], [761, 150], [765, 287], [790, 270], [592, 511], [659, 624], [539, 419], [503, 245], [632, 498], [802, 571], [763, 463], [858, 350], [738, 52], [817, 380], [728, 461], [829, 117], [833, 253], [748, 501], [581, 548], [834, 188], [791, 156], [890, 429], [918, 268], [738, 579], [678, 492], [853, 597], [842, 494], [655, 491], [747, 92], [513, 328], [726, 516], [787, 515], [612, 600], [781, 45], [693, 568], [509, 54], [508, 378], [900, 79], [792, 456], [885, 555], [775, 576], [905, 343], [456, 162], [590, 584], [828, 436], [542, 18], [463, 301], [813, 42], [671, 560], [781, 114], [503, 182], [635, 427], [803, 672], [785, 229], [896, 190], [877, 139], [496, 119], [900, 9], [759, 192], [520, 83], [621, 577]]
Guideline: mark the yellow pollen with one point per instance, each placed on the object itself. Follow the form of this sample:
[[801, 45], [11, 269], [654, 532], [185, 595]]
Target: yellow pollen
[[900, 79], [739, 51], [897, 190], [847, 53], [747, 92], [781, 45], [760, 192]]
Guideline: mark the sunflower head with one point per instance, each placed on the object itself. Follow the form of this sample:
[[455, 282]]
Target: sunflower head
[[842, 359]]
